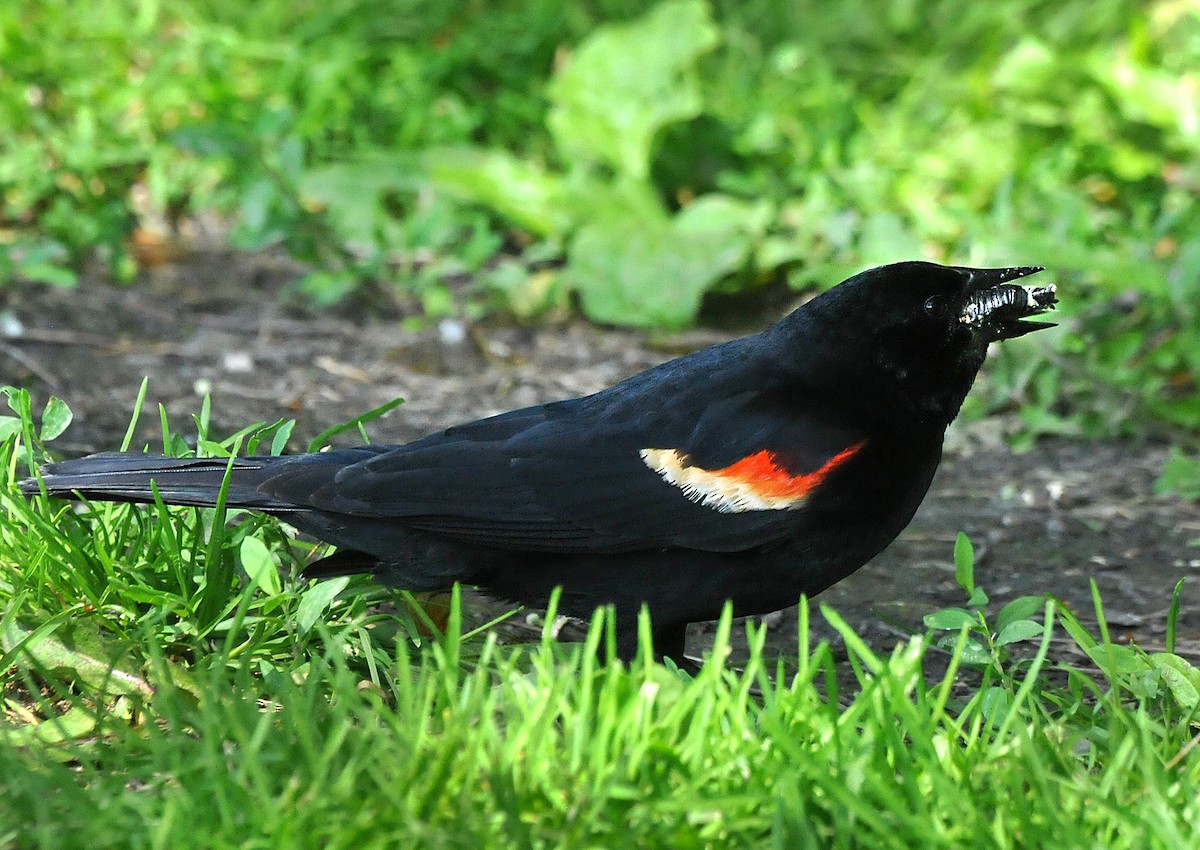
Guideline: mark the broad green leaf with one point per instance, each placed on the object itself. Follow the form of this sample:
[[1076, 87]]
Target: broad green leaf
[[75, 723], [1124, 659], [351, 194], [520, 190], [79, 649], [9, 425], [975, 652], [641, 273], [1017, 631], [651, 270], [1021, 608], [1180, 676], [260, 566], [624, 273], [951, 619], [994, 704], [211, 448], [18, 401], [732, 227], [55, 419], [316, 600], [627, 81], [716, 212]]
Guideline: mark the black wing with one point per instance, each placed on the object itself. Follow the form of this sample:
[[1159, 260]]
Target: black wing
[[590, 475]]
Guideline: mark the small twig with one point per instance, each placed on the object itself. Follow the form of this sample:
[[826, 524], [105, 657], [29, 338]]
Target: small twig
[[1182, 754], [55, 337], [42, 373]]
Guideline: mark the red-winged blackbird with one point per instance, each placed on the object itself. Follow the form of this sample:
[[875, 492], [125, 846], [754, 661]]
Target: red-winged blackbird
[[753, 471]]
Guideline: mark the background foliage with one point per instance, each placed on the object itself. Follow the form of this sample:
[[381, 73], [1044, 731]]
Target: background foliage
[[632, 157]]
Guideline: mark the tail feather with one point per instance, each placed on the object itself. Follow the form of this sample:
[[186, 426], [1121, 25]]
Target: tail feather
[[130, 477]]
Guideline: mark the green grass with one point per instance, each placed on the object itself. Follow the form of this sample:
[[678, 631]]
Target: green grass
[[555, 750], [170, 681]]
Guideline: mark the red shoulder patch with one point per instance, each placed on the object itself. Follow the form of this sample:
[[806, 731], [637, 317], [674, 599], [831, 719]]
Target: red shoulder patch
[[757, 482]]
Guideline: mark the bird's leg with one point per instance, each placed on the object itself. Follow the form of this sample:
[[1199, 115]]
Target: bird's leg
[[668, 643]]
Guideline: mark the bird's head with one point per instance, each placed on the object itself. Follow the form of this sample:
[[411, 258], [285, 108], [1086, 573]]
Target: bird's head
[[916, 333]]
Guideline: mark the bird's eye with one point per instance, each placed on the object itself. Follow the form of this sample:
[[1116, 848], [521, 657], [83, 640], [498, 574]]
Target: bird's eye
[[935, 305]]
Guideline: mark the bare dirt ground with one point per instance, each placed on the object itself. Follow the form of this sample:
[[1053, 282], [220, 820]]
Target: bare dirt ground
[[1042, 522]]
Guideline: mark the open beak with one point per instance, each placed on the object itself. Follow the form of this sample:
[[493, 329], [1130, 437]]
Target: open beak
[[997, 308]]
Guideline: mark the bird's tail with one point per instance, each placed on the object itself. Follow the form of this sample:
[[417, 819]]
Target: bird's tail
[[130, 477]]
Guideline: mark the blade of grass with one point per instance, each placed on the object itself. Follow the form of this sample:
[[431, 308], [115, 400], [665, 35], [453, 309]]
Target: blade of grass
[[127, 440]]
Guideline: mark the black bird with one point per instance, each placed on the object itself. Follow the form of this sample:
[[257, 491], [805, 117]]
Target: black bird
[[755, 471]]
